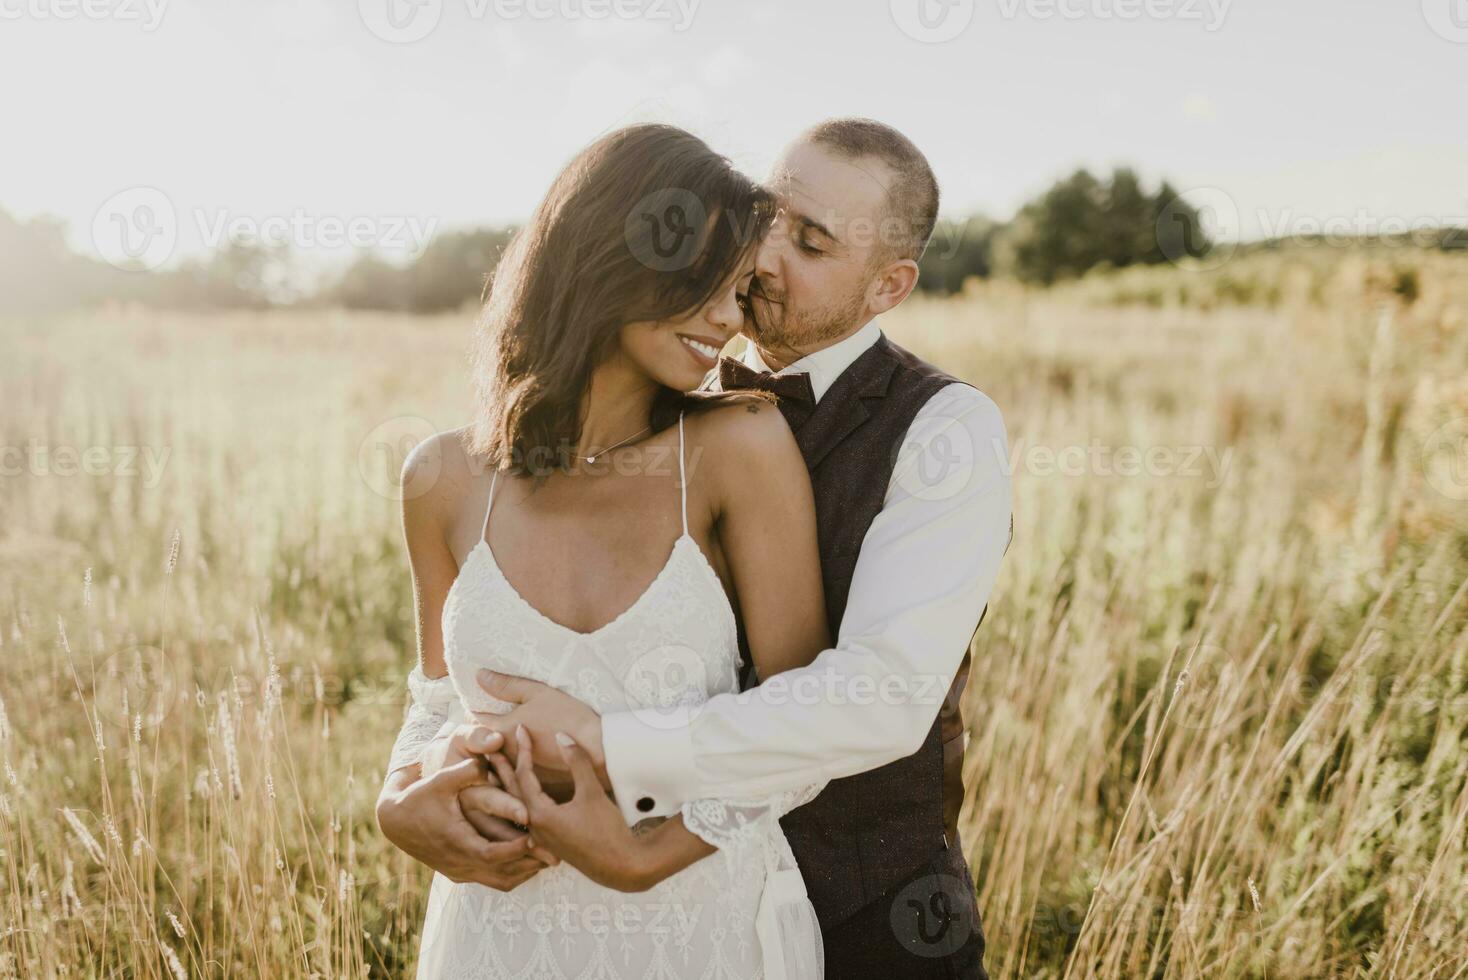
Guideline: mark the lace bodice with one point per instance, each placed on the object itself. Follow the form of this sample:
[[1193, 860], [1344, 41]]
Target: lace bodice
[[675, 645]]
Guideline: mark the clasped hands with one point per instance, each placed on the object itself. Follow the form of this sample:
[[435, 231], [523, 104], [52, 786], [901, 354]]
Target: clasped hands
[[500, 799]]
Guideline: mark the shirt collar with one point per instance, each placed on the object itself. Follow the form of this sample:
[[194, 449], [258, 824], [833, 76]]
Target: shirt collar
[[825, 365]]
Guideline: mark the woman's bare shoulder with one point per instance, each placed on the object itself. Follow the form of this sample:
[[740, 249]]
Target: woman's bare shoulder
[[748, 450], [743, 426], [438, 473]]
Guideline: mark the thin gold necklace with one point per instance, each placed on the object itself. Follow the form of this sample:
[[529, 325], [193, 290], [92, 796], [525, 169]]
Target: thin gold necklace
[[592, 458]]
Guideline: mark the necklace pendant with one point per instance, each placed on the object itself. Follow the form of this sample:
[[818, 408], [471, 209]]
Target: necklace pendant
[[591, 460]]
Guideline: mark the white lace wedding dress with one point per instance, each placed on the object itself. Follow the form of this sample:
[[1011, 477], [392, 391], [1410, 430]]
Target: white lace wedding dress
[[741, 913]]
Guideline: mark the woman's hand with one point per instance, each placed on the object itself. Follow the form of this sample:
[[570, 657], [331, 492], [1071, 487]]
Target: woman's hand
[[424, 817], [588, 830]]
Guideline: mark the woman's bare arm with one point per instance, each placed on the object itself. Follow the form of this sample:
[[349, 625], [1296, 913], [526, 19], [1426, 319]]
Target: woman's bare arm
[[463, 827], [767, 526]]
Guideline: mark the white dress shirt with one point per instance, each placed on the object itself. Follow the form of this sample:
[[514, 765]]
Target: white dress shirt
[[926, 569]]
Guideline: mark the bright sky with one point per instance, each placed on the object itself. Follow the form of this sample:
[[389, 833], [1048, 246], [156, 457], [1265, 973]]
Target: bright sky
[[248, 111]]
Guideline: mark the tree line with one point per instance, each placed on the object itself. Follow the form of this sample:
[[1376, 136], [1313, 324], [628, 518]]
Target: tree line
[[1081, 223]]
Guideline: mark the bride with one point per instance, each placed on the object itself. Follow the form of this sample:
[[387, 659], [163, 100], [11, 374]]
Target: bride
[[599, 527]]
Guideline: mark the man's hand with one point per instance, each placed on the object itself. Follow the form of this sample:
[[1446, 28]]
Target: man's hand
[[492, 809], [544, 711]]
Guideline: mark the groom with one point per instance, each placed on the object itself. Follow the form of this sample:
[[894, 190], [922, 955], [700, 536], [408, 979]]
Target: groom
[[913, 514]]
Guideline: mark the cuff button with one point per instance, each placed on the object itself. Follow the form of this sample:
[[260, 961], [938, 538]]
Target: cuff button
[[645, 804]]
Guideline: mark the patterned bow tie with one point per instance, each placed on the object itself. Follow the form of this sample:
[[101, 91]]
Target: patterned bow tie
[[735, 375]]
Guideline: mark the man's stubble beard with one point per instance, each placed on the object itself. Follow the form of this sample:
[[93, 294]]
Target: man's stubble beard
[[793, 333]]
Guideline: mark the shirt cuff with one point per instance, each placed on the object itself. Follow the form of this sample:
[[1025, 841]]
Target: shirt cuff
[[649, 757]]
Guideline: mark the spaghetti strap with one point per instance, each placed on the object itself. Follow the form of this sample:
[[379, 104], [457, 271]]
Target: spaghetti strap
[[484, 531], [682, 477]]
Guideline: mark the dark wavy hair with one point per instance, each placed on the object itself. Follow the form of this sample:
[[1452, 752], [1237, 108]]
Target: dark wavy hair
[[594, 257]]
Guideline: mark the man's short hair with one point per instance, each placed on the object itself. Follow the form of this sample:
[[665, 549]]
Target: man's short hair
[[912, 200]]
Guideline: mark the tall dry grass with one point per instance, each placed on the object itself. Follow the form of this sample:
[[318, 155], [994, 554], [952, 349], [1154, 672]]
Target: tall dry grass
[[1218, 708]]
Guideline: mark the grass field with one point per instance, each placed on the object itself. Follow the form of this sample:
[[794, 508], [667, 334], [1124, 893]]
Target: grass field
[[1219, 708]]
